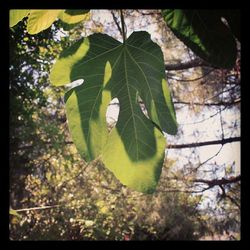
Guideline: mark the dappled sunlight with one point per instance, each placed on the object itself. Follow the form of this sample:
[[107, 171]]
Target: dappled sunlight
[[112, 112]]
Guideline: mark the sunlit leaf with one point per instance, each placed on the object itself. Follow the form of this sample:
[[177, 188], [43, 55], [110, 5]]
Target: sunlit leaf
[[16, 16], [41, 19], [134, 150]]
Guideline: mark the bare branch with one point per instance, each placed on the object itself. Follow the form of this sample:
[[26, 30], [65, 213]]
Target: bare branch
[[207, 160], [206, 143], [210, 104], [195, 103], [200, 121], [219, 182], [191, 80], [187, 65], [36, 208]]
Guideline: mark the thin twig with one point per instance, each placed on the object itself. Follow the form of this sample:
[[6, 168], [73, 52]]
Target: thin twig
[[209, 159], [36, 208], [200, 121]]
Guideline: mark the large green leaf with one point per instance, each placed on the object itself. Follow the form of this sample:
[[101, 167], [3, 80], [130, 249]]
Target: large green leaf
[[39, 20], [204, 32], [134, 149]]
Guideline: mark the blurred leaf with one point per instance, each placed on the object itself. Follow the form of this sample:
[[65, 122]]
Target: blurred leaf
[[89, 223], [16, 16], [40, 20], [205, 33], [76, 12], [74, 16], [14, 212]]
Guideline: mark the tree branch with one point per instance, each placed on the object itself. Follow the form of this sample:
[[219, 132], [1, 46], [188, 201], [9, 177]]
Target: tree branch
[[187, 65], [190, 80], [195, 103], [210, 104], [219, 182], [36, 208], [169, 146], [206, 143]]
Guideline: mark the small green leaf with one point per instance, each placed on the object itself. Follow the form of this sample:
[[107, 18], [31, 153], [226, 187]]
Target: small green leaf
[[16, 16], [135, 148], [204, 32]]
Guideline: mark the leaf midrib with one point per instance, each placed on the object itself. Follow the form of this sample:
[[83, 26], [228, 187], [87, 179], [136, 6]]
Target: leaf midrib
[[130, 102]]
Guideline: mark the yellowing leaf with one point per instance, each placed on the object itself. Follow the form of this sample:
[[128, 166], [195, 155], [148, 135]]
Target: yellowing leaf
[[16, 16], [41, 19]]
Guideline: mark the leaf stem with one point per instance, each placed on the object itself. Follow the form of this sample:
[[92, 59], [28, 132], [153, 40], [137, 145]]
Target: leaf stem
[[123, 27]]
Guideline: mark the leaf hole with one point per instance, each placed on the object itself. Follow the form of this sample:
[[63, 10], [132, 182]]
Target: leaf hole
[[74, 84], [142, 106], [112, 113]]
